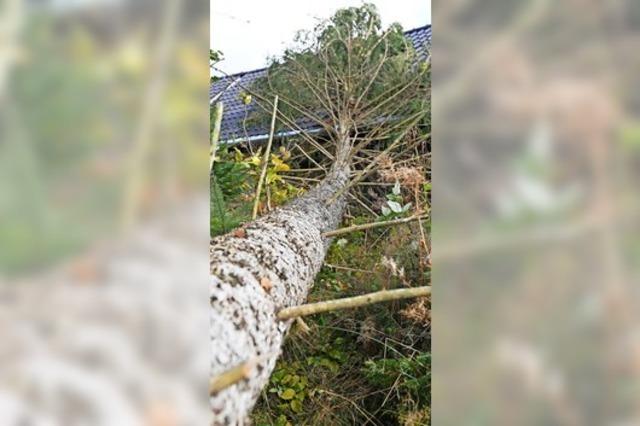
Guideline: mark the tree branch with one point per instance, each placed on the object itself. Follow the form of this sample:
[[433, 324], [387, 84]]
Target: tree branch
[[361, 175], [372, 225], [353, 302], [265, 159], [215, 134], [231, 377]]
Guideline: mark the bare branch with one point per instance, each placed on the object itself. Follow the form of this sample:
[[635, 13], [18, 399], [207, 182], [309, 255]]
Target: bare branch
[[372, 225], [231, 377], [265, 159], [353, 302]]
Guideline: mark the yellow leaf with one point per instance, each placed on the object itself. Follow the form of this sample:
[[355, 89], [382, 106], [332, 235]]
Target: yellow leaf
[[286, 155], [272, 177], [282, 167], [255, 160], [288, 394]]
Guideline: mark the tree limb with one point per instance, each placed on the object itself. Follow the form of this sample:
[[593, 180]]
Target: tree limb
[[215, 134], [353, 302], [372, 225], [265, 159], [231, 377]]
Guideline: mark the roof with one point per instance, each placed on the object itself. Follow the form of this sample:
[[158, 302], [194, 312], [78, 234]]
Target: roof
[[228, 91]]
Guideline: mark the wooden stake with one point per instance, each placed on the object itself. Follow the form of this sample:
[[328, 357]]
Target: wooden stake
[[265, 159], [353, 302]]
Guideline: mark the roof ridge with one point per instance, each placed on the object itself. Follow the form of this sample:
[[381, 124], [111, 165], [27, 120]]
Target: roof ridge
[[243, 73], [413, 30]]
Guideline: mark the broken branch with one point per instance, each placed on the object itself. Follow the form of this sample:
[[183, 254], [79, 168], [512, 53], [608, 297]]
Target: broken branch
[[372, 225], [353, 302], [231, 377], [265, 159]]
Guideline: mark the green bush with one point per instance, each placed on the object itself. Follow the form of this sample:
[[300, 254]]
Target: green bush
[[412, 375], [228, 181]]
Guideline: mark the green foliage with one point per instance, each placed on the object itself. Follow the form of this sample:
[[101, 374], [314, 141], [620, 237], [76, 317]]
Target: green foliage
[[228, 181], [278, 189], [411, 376], [395, 206], [229, 174], [346, 74], [289, 386], [215, 56], [232, 186], [353, 359]]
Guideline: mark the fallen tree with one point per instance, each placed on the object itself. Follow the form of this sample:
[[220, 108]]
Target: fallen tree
[[361, 85]]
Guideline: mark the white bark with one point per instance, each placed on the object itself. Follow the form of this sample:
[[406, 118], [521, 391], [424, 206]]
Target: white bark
[[284, 249]]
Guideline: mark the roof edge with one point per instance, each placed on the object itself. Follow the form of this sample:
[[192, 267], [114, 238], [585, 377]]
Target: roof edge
[[413, 30]]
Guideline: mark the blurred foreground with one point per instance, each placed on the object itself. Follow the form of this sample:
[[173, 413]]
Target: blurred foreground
[[103, 212], [114, 337], [535, 213]]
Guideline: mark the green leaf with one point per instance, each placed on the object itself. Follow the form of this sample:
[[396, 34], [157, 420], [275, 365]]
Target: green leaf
[[288, 394], [296, 406], [303, 381], [282, 421], [294, 380]]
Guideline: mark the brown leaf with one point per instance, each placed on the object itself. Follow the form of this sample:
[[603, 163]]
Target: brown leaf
[[266, 284], [240, 233]]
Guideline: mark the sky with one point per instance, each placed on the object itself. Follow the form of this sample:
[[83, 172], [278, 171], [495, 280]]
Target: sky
[[248, 31]]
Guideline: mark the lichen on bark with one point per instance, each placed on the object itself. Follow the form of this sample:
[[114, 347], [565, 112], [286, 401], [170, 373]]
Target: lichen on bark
[[284, 248]]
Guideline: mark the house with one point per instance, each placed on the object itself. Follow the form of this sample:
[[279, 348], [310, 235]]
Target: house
[[229, 89]]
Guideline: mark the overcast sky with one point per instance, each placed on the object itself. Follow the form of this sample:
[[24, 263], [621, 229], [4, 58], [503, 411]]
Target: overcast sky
[[248, 31]]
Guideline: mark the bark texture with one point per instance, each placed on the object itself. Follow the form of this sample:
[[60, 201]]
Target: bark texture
[[255, 273]]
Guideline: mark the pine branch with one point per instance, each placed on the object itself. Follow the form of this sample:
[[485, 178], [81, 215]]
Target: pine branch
[[353, 302], [372, 225], [231, 377], [365, 172]]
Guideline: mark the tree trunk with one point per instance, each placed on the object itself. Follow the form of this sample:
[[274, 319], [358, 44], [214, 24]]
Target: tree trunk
[[268, 265]]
